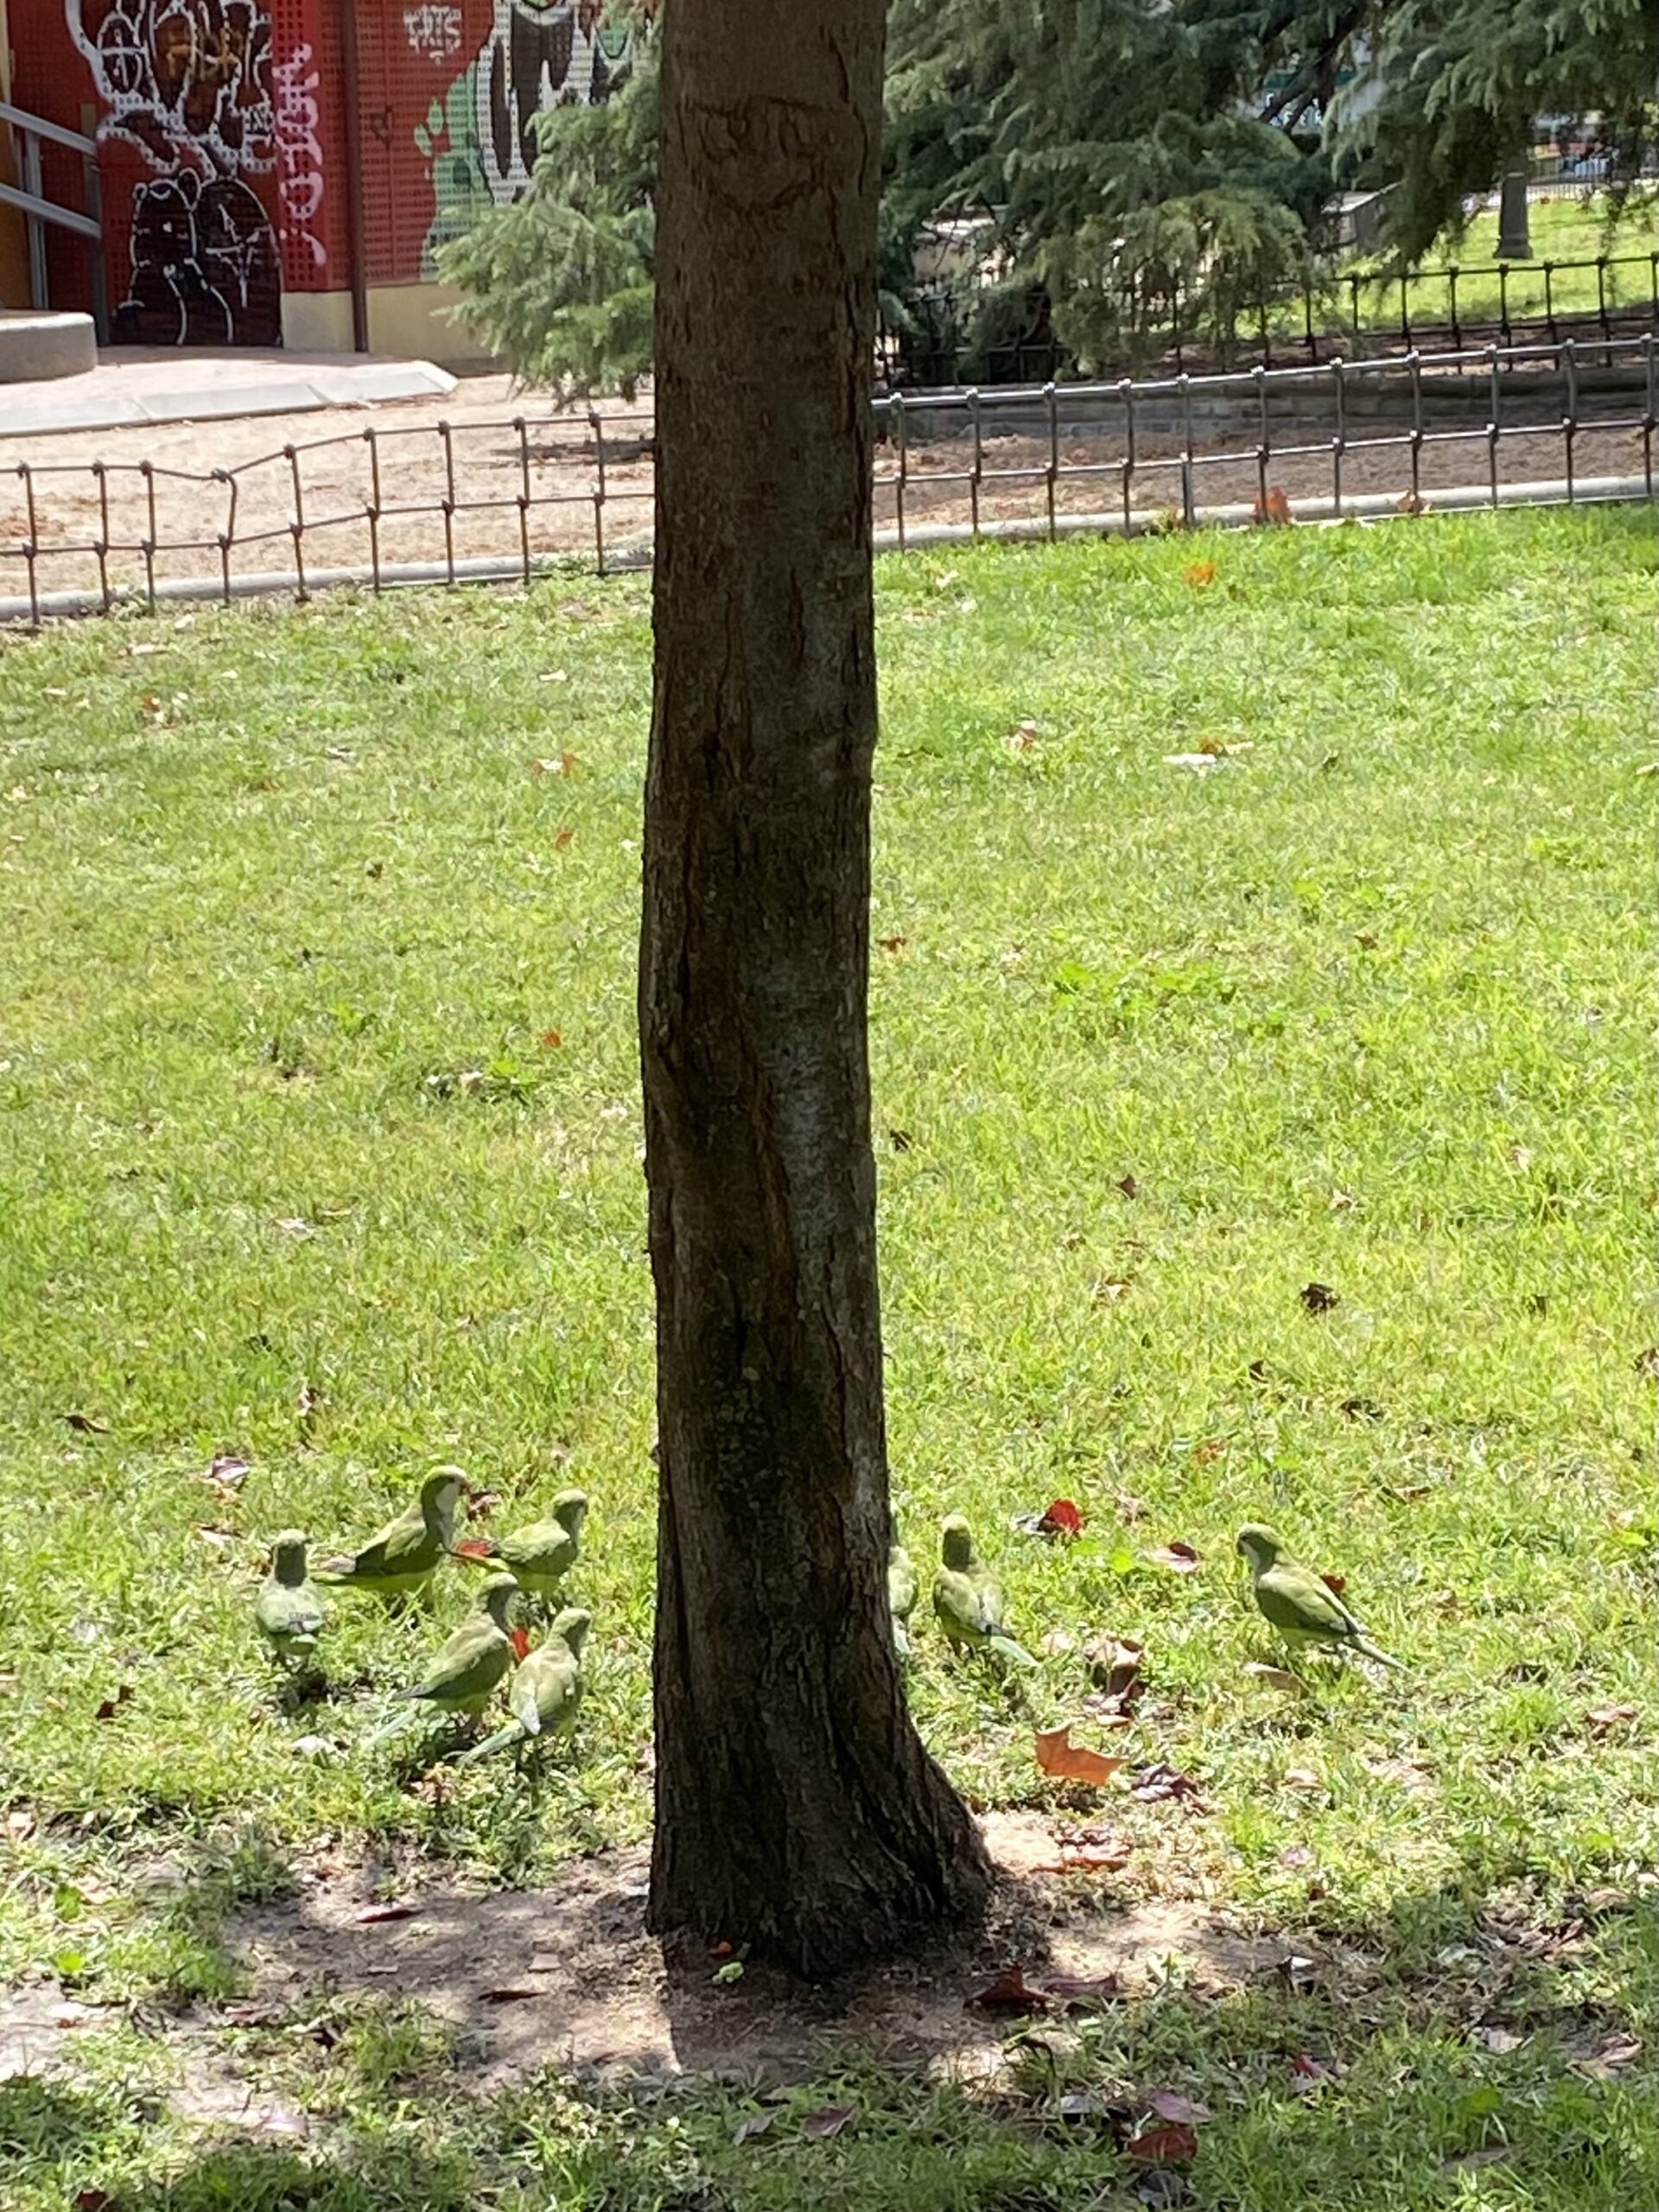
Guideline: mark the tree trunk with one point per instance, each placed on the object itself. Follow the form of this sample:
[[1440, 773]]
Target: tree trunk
[[796, 1811]]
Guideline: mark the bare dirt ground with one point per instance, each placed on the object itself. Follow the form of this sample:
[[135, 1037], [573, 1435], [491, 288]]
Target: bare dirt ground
[[567, 1976], [489, 473]]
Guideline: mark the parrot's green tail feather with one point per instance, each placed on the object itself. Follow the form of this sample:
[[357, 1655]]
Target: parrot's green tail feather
[[1005, 1648], [1368, 1650], [502, 1739]]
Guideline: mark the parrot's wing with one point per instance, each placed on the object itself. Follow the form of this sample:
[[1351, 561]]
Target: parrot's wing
[[470, 1664], [1293, 1598]]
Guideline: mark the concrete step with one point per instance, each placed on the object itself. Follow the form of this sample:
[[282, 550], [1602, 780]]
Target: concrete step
[[35, 344]]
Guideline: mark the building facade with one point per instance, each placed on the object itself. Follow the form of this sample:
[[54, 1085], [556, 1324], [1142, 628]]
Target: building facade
[[282, 172]]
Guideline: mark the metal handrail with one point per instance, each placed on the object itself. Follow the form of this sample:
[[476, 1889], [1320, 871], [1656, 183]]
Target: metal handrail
[[31, 131], [47, 211], [54, 133]]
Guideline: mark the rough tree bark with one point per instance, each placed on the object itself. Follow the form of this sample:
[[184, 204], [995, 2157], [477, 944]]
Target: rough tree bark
[[797, 1810]]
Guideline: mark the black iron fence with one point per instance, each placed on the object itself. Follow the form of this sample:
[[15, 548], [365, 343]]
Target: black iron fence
[[970, 331], [506, 500]]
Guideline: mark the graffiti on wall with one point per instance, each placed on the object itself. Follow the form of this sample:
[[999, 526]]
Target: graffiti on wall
[[188, 85], [480, 136], [299, 151]]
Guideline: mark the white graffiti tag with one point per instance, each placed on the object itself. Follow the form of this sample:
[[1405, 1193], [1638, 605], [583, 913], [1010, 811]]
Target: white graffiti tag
[[433, 32], [299, 153]]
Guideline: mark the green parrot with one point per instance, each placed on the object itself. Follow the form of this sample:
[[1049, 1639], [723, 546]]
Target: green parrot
[[545, 1691], [968, 1600], [901, 1595], [540, 1555], [471, 1664], [402, 1557], [288, 1610], [1303, 1609]]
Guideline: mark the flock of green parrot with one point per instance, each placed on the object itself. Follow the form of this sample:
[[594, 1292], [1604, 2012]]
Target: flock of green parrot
[[529, 1566], [400, 1561]]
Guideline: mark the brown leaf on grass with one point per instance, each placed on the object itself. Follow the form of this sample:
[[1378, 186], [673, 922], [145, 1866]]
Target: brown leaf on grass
[[756, 2124], [1171, 2105], [229, 1471], [1180, 1558], [551, 1041], [92, 2200], [825, 2126], [1272, 507], [1057, 1754], [566, 764], [1318, 1297], [1010, 1992], [1602, 1720], [1214, 1447], [1022, 737], [1336, 1584], [1616, 2051], [1198, 574], [1162, 1781], [562, 839], [1163, 2146], [108, 1708], [893, 944], [371, 1915], [1410, 503], [1276, 1678], [1129, 1188], [88, 1425], [1114, 1663], [1501, 2041], [1309, 2073], [1088, 1859]]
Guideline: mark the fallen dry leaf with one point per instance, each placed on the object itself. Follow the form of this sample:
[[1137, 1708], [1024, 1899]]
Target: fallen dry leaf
[[1171, 2105], [1272, 507], [1319, 1297], [1309, 2073], [1198, 573], [1336, 1584], [893, 944], [1081, 1989], [1022, 737], [1604, 1718], [109, 1707], [229, 1469], [829, 2123], [1010, 1992], [551, 1041], [1302, 1777], [1180, 1558], [1212, 1448], [1114, 1663], [86, 1425], [1276, 1678], [1500, 2040], [1057, 1642], [474, 1547], [756, 2124], [1129, 1188], [1057, 1754], [1161, 1781], [1106, 1290], [562, 839], [371, 1915], [1618, 2050], [1130, 1507], [1061, 1518], [1163, 2146], [92, 2200], [1088, 1859]]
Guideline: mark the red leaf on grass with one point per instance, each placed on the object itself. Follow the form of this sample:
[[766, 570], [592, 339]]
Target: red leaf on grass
[[519, 1639], [551, 1041], [1171, 2105], [1010, 1992], [562, 839], [1061, 1518], [1059, 1756], [1180, 1559], [1163, 2146], [1336, 1584], [474, 1547], [370, 1916]]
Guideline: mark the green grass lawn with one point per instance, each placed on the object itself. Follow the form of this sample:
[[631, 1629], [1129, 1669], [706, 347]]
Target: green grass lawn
[[320, 1145], [1573, 233]]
